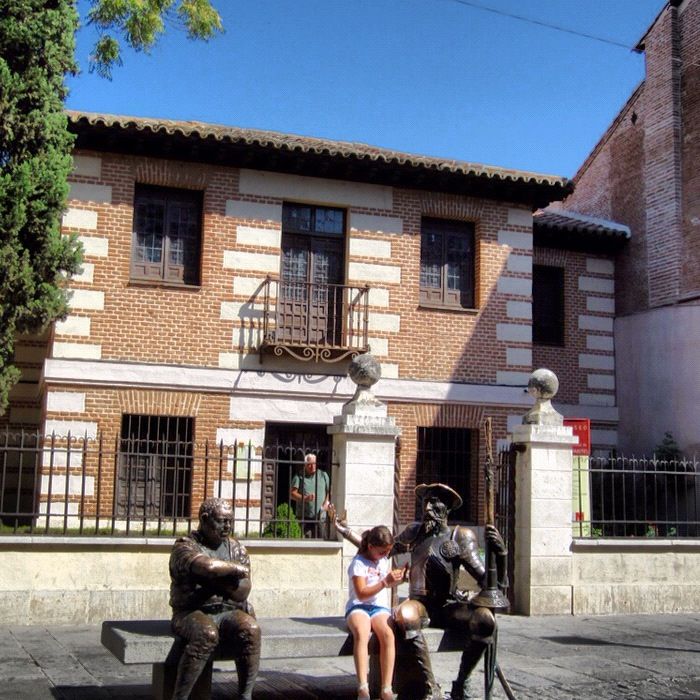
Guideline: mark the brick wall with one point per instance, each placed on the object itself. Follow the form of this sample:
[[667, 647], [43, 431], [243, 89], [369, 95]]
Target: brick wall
[[218, 324], [97, 414], [643, 172], [586, 360], [662, 147], [117, 323], [690, 115]]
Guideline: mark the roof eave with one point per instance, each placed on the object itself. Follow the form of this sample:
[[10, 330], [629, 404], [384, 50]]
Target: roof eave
[[578, 239], [173, 140]]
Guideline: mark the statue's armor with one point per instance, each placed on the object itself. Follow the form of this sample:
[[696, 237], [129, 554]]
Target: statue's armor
[[436, 559]]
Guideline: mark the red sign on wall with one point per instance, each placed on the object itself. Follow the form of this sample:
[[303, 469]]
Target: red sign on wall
[[582, 429]]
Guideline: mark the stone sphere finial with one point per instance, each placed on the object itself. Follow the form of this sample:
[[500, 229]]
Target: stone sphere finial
[[543, 384], [365, 371]]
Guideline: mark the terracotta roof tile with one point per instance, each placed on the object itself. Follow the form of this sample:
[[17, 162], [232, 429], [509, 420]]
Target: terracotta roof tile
[[319, 146], [580, 223]]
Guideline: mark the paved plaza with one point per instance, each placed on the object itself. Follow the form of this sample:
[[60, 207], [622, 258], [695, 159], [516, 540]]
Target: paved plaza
[[645, 657]]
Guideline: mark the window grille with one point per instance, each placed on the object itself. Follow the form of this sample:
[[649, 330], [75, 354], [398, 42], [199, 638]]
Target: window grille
[[445, 456], [155, 467]]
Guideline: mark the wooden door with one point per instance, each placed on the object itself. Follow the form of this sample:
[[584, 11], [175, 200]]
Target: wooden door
[[310, 298]]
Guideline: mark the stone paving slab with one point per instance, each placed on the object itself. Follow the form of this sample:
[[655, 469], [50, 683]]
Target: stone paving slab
[[635, 657]]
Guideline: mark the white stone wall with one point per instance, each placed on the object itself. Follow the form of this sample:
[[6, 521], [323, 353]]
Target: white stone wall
[[60, 581], [660, 371], [515, 285], [616, 576]]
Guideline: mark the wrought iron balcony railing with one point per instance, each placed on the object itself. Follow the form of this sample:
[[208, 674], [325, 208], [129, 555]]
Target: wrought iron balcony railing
[[319, 322]]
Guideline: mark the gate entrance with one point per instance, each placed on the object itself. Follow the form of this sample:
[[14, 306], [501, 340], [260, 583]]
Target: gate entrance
[[286, 445], [505, 511]]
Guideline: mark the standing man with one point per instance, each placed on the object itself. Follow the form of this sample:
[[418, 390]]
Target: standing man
[[209, 587], [311, 492]]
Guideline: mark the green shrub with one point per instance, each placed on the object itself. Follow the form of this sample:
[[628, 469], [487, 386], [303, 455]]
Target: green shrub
[[285, 524], [667, 450]]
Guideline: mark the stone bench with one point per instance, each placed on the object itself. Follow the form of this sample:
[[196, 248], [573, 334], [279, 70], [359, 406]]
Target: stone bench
[[152, 642]]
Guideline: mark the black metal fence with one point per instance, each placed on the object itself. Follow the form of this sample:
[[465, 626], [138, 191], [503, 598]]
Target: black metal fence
[[141, 486], [630, 497], [505, 510]]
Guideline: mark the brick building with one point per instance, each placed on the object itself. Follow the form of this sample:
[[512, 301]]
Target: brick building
[[231, 274], [644, 173]]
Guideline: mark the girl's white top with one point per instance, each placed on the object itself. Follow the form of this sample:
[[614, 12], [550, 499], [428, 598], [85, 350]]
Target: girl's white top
[[373, 571]]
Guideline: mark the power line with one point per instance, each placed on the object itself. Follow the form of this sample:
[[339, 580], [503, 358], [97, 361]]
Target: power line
[[530, 20]]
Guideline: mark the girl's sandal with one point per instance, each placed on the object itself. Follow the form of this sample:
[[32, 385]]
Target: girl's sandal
[[387, 693], [363, 691]]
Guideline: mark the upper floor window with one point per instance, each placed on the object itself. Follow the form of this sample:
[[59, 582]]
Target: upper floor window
[[167, 234], [319, 221], [548, 305], [447, 263]]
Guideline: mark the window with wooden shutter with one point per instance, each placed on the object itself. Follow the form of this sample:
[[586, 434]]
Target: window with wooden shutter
[[167, 235], [447, 263]]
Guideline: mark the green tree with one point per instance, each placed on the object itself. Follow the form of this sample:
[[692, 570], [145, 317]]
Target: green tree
[[37, 49], [667, 450], [139, 23], [36, 52]]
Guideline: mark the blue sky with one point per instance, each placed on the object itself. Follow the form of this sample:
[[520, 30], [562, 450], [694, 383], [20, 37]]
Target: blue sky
[[435, 77]]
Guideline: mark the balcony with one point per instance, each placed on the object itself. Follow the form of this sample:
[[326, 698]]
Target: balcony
[[314, 322]]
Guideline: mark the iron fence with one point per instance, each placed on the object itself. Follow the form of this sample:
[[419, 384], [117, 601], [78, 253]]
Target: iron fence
[[636, 497], [505, 510], [139, 486]]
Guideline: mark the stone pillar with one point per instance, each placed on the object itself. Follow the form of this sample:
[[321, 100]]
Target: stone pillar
[[364, 439], [543, 532]]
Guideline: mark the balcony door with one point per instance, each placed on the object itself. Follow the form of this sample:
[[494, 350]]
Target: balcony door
[[310, 304]]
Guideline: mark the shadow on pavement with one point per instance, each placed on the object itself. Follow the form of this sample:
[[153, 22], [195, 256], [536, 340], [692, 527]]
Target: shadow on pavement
[[271, 685], [103, 692], [590, 641]]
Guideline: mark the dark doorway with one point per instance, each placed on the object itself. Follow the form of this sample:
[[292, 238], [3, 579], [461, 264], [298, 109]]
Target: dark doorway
[[445, 456], [286, 445]]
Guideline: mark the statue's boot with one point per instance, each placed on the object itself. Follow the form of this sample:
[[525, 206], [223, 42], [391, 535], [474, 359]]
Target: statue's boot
[[189, 669], [248, 663], [461, 687], [415, 675], [247, 656], [247, 669]]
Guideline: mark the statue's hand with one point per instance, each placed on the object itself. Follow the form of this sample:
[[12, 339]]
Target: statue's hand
[[236, 589], [334, 518], [495, 540]]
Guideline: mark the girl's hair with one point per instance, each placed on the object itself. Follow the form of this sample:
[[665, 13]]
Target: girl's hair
[[378, 536]]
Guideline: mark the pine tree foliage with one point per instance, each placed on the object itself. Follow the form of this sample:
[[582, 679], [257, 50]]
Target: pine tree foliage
[[36, 52], [667, 450], [139, 23]]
